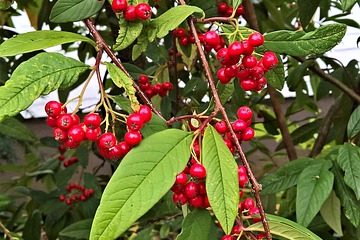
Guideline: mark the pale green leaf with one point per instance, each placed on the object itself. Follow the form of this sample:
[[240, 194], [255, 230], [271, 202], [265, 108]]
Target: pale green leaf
[[353, 127], [37, 40], [331, 213], [143, 177], [37, 76], [222, 180], [128, 33]]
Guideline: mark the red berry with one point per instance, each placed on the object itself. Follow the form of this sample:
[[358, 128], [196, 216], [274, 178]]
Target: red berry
[[179, 32], [181, 178], [92, 134], [177, 188], [198, 171], [68, 201], [59, 134], [223, 78], [168, 86], [240, 11], [243, 180], [62, 197], [249, 61], [206, 202], [231, 71], [248, 134], [76, 119], [51, 121], [115, 153], [247, 48], [236, 229], [76, 133], [202, 188], [221, 127], [64, 121], [92, 120], [229, 11], [227, 237], [53, 108], [134, 122], [124, 147], [119, 5], [248, 85], [249, 203], [145, 113], [130, 13], [133, 138], [71, 144], [212, 38], [191, 190], [222, 7], [239, 125], [236, 49], [143, 79], [256, 39], [184, 41], [223, 56], [106, 141], [269, 60], [179, 198], [242, 170], [196, 202], [143, 11], [244, 113], [243, 74]]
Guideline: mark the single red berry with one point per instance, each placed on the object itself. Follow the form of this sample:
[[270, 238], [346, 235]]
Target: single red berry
[[248, 85], [62, 197], [242, 170], [168, 86], [69, 143], [179, 32], [240, 11], [244, 113], [269, 60], [223, 78], [249, 61], [143, 79], [130, 13], [243, 74], [89, 192], [236, 229], [68, 201], [93, 134], [76, 119], [191, 39], [248, 134], [253, 211], [92, 120], [196, 202], [228, 143], [184, 41], [198, 171], [53, 108], [61, 158], [221, 127], [256, 39], [222, 7], [106, 141], [236, 49], [76, 133], [115, 153], [196, 148], [223, 56], [249, 203], [143, 11], [231, 71], [212, 38], [239, 125], [261, 236], [202, 188], [227, 237], [229, 11], [243, 180], [125, 148], [59, 134], [191, 190], [51, 121], [181, 178], [134, 122], [179, 198], [247, 48], [64, 121], [145, 113], [177, 188], [133, 138], [119, 5]]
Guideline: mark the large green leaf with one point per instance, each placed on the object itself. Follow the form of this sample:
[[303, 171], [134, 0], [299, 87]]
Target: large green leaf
[[155, 125], [172, 18], [285, 177], [307, 10], [37, 40], [314, 187], [346, 5], [353, 127], [331, 213], [348, 160], [141, 180], [13, 128], [77, 230], [74, 10], [301, 43], [38, 76], [128, 33], [222, 180], [198, 225], [284, 228], [121, 80]]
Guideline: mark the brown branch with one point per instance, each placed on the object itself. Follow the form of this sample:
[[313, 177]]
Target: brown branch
[[214, 19], [100, 42], [251, 18], [333, 80], [218, 106]]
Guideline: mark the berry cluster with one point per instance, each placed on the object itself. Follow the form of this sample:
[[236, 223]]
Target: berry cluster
[[241, 127], [226, 10], [238, 61], [141, 11], [76, 193], [108, 145], [67, 129], [150, 90]]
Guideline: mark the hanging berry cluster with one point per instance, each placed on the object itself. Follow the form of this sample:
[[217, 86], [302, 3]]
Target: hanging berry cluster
[[141, 11], [225, 10], [76, 193], [161, 89], [239, 60]]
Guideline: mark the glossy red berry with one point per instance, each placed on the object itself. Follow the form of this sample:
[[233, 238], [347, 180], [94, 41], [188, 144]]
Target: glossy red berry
[[248, 203], [179, 32], [243, 180], [239, 125], [247, 48], [168, 86], [184, 41], [92, 134], [62, 197], [222, 7], [143, 79], [269, 60], [248, 134], [92, 120], [179, 198], [249, 61], [231, 71], [53, 108], [240, 11], [248, 85], [119, 5], [244, 113], [191, 190], [223, 78], [65, 121], [107, 140], [69, 143], [76, 133], [59, 134], [256, 39], [221, 127], [134, 122], [227, 237], [198, 171], [130, 13], [133, 138], [145, 113], [51, 121], [236, 229], [143, 11], [124, 147], [196, 202], [223, 56], [212, 38], [181, 178], [236, 49]]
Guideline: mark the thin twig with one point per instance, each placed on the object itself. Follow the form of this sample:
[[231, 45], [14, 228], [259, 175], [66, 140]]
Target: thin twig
[[214, 19], [6, 232]]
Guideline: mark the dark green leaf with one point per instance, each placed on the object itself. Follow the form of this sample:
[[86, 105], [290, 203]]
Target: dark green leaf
[[331, 213], [155, 125], [33, 41], [128, 33], [276, 77], [198, 225], [78, 230], [38, 76], [221, 180], [143, 177], [302, 44], [4, 201], [307, 10], [32, 229], [353, 127], [226, 92], [74, 10], [13, 128], [123, 102], [314, 187]]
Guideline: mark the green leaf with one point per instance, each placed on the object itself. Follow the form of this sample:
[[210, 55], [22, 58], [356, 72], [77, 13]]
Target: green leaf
[[38, 76], [301, 43], [5, 4], [198, 225], [155, 125], [222, 179], [123, 102], [78, 230], [37, 40], [314, 187], [307, 10], [32, 229], [226, 92], [74, 10], [128, 33], [172, 18], [4, 201], [348, 160], [353, 127], [121, 80], [284, 228], [236, 3], [346, 5], [276, 77], [143, 177], [331, 213], [285, 177], [13, 128]]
